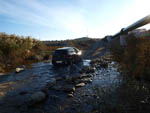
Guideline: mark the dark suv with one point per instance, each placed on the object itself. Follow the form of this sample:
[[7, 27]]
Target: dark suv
[[66, 55]]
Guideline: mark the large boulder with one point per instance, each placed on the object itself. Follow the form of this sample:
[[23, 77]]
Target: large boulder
[[37, 97]]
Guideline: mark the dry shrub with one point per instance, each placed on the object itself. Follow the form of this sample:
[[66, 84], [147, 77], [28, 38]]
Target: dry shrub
[[134, 58], [19, 50]]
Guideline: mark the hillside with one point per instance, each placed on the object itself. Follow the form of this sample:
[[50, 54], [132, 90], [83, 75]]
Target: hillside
[[91, 47]]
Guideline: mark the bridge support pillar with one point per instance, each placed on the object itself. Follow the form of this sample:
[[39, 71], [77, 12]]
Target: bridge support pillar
[[123, 41]]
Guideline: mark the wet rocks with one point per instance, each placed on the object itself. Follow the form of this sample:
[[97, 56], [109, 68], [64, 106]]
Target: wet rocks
[[80, 84], [19, 70], [69, 88], [100, 62], [86, 80], [69, 82], [90, 75], [103, 65], [70, 95], [90, 70], [37, 97], [83, 75], [87, 70], [71, 79]]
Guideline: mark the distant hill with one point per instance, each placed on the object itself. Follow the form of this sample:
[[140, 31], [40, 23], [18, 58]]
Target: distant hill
[[78, 42], [91, 47], [83, 39]]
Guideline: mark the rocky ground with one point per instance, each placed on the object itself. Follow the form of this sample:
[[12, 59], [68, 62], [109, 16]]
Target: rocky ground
[[46, 89], [94, 86]]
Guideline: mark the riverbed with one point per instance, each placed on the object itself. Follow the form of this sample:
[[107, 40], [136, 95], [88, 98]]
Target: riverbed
[[16, 88]]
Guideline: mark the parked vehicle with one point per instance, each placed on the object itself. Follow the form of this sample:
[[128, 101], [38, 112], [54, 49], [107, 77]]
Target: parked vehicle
[[66, 55]]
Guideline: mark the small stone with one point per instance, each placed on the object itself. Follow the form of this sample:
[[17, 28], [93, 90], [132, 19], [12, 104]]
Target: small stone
[[80, 84], [19, 70], [90, 81], [70, 95], [143, 102]]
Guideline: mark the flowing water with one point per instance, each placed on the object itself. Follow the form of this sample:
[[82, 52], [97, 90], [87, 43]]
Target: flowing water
[[35, 78]]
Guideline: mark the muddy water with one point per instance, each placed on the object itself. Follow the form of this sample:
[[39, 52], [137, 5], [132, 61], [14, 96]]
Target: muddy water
[[13, 85]]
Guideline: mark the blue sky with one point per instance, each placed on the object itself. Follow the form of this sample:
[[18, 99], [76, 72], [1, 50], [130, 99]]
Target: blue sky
[[69, 19]]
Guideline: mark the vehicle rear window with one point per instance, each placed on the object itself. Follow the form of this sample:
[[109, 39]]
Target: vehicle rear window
[[60, 52]]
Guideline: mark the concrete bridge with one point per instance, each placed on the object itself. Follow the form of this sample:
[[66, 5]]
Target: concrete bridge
[[124, 31]]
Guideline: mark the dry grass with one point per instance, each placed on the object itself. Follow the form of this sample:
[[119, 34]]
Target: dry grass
[[19, 50], [134, 59], [98, 51]]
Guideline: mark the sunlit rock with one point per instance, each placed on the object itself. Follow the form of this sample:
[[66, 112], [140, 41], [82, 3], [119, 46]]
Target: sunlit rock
[[19, 70], [80, 84]]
